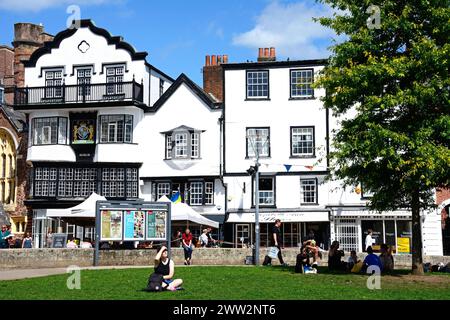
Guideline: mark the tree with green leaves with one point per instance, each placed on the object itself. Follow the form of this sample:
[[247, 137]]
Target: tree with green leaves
[[393, 78]]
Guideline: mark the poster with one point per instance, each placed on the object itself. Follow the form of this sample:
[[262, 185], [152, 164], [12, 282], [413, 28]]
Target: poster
[[156, 225], [59, 240], [83, 131], [111, 225], [134, 225], [403, 245]]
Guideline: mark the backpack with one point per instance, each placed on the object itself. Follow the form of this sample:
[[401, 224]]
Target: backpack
[[154, 283]]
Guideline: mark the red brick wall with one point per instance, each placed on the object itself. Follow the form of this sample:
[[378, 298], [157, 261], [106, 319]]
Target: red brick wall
[[213, 81], [6, 62]]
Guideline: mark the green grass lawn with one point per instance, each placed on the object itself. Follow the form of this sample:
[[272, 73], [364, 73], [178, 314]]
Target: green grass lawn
[[230, 283]]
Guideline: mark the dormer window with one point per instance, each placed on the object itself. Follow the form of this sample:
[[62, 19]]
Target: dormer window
[[182, 143]]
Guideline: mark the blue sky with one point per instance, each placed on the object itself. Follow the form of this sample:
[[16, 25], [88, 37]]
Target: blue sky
[[177, 34]]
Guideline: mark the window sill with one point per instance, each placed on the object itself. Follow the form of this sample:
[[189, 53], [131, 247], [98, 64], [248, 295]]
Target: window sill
[[269, 206], [178, 159], [303, 157], [302, 98], [132, 143], [260, 157], [309, 204], [257, 99], [50, 144]]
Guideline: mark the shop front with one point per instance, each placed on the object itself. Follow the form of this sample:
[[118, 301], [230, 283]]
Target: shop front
[[394, 229], [296, 227]]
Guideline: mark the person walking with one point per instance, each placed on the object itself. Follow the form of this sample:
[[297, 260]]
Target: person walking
[[27, 242], [276, 241], [187, 246], [369, 240]]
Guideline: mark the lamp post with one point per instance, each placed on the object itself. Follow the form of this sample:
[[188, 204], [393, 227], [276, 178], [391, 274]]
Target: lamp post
[[256, 262], [256, 145]]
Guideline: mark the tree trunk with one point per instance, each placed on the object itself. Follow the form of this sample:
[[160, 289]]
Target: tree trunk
[[417, 261]]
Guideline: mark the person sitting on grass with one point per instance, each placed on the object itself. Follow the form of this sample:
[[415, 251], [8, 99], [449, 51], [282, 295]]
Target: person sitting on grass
[[386, 258], [312, 251], [334, 258], [166, 267], [371, 260], [352, 260]]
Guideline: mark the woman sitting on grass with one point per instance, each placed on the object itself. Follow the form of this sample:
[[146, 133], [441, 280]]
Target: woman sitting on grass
[[165, 267]]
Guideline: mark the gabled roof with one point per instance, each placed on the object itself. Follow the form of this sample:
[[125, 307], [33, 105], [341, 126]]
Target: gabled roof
[[86, 23], [182, 128], [183, 79]]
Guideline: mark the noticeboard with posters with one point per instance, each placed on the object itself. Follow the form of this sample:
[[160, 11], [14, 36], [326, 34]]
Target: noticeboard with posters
[[156, 225], [134, 225], [111, 225], [138, 223]]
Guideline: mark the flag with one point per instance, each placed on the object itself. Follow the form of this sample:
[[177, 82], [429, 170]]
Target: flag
[[176, 198], [288, 167]]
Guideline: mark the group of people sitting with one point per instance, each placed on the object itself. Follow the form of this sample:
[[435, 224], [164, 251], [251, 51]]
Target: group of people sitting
[[384, 261]]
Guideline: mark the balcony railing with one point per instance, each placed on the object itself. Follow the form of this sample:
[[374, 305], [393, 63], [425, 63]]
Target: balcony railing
[[80, 93]]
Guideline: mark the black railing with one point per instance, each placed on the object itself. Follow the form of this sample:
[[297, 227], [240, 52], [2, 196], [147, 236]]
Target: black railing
[[80, 93]]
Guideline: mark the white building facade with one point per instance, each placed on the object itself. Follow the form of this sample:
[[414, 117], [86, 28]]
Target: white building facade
[[102, 119], [271, 107], [85, 97]]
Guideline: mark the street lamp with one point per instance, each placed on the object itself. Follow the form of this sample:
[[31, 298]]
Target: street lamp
[[257, 144]]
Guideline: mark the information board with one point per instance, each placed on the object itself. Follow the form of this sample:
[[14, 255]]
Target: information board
[[111, 225], [156, 225], [134, 225], [59, 240]]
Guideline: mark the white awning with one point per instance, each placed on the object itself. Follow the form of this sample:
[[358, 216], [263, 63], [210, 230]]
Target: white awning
[[270, 217], [182, 212], [86, 209]]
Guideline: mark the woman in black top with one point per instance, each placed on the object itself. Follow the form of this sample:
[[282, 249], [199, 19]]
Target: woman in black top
[[165, 267]]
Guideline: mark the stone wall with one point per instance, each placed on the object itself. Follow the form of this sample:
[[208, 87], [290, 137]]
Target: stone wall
[[54, 258]]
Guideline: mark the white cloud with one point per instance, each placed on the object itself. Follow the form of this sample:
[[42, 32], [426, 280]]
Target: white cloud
[[38, 5], [291, 30]]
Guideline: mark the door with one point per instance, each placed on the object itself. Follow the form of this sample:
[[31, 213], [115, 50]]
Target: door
[[243, 236]]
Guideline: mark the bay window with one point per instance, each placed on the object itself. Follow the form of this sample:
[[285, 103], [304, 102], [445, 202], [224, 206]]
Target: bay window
[[116, 128], [50, 130]]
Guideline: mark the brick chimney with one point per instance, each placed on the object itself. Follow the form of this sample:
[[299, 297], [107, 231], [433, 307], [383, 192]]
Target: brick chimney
[[212, 75], [266, 54], [27, 38]]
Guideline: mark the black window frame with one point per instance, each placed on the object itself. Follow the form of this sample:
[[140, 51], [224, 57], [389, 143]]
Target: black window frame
[[95, 177], [259, 98], [124, 115], [313, 146], [316, 202], [274, 184], [33, 128], [291, 97], [246, 143], [188, 146]]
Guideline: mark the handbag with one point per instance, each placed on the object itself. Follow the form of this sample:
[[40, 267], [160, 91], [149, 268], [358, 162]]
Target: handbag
[[273, 252]]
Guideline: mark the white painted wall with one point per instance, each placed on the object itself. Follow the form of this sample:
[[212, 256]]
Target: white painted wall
[[279, 114], [183, 108]]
